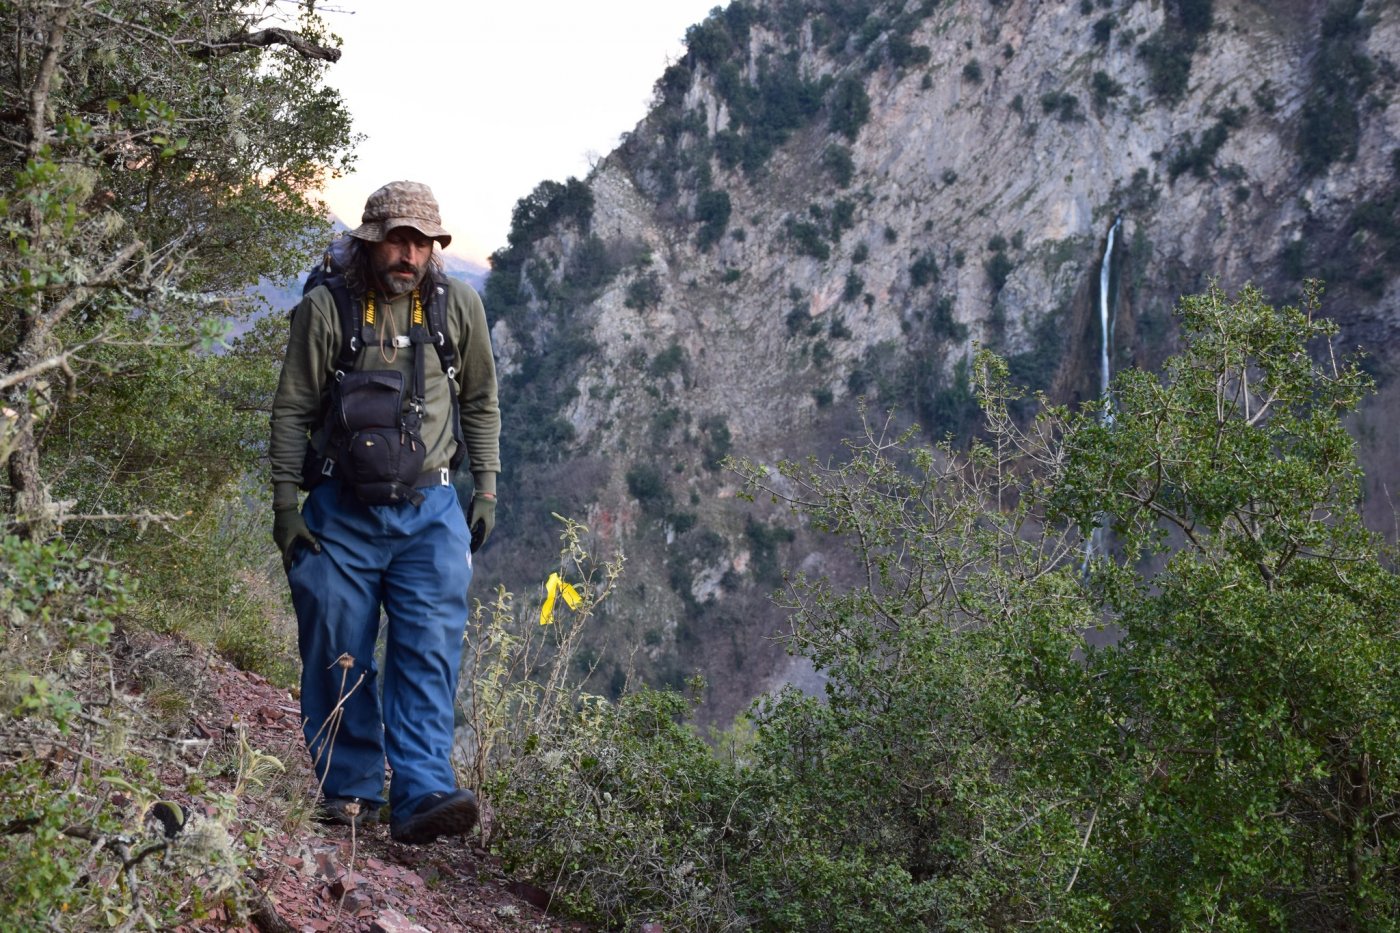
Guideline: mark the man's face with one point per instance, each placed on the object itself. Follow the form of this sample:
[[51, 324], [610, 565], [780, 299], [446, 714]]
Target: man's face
[[400, 259]]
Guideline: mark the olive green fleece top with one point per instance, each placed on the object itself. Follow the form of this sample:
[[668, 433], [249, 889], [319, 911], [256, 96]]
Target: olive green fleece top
[[308, 371]]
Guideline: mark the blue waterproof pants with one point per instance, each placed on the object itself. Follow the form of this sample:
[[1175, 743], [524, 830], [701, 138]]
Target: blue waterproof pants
[[415, 562]]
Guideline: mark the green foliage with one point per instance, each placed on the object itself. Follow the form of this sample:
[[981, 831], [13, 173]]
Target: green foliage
[[999, 268], [668, 361], [849, 107], [1167, 53], [551, 204], [78, 853], [941, 323], [644, 292], [976, 763], [1104, 88], [718, 441], [837, 160], [951, 407], [1231, 760], [712, 210], [903, 53], [808, 239], [1103, 29], [1342, 72], [625, 815], [924, 270], [763, 114], [648, 486], [142, 193], [763, 541], [1063, 104], [972, 71], [1200, 157], [853, 287]]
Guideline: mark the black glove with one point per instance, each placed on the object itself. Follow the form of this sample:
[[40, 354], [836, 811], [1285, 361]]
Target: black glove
[[482, 518], [288, 527]]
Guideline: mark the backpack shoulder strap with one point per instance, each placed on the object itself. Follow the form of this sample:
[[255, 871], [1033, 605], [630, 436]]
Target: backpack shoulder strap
[[436, 314], [330, 273], [351, 332]]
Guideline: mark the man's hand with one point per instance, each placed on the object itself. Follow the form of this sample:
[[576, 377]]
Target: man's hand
[[482, 518], [288, 527]]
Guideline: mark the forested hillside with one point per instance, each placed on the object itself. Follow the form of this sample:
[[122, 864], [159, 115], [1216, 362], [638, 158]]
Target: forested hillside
[[832, 202]]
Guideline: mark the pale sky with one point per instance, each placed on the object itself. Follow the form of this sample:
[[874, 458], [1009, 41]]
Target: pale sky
[[483, 101]]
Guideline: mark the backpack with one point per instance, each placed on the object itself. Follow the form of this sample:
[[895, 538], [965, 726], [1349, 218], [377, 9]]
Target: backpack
[[373, 445]]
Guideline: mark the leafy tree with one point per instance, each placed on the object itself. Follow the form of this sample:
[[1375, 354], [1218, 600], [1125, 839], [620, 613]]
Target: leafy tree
[[155, 160], [1231, 758], [155, 165], [849, 107], [712, 210], [1197, 727]]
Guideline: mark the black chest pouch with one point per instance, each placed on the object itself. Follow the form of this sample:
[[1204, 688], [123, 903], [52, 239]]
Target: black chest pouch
[[377, 444]]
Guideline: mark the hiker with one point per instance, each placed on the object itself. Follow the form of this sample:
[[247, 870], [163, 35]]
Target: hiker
[[388, 384]]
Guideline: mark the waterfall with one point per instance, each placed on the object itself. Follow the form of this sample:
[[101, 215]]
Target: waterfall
[[1106, 316], [1097, 542]]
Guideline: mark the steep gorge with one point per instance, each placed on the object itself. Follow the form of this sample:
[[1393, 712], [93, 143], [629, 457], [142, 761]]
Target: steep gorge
[[837, 200]]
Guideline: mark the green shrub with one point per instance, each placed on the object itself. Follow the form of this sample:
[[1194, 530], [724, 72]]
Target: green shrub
[[1330, 124], [972, 71], [1103, 29], [763, 541], [905, 54], [853, 287], [712, 210], [808, 239], [849, 107], [999, 267], [924, 270], [1167, 55], [1178, 778], [1104, 88], [669, 361], [942, 325], [718, 441], [1064, 105], [837, 160], [644, 292], [648, 486]]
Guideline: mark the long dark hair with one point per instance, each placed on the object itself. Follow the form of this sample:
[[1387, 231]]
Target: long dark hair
[[351, 254]]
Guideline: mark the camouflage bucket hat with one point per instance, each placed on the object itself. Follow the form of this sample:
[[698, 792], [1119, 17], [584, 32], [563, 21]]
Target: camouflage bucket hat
[[401, 204]]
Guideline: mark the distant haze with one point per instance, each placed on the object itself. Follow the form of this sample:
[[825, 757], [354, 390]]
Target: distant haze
[[483, 102]]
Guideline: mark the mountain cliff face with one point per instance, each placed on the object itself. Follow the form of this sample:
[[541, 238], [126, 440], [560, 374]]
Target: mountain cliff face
[[835, 200]]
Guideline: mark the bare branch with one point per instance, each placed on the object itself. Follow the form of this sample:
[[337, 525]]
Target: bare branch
[[80, 294], [264, 38], [39, 89], [57, 361]]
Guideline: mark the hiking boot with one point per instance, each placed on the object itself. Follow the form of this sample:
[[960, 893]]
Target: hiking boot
[[442, 814], [347, 811]]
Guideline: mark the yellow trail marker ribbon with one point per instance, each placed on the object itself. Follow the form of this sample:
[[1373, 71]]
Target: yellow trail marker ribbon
[[552, 589]]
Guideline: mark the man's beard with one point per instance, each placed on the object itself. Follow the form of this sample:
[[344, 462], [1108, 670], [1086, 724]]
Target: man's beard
[[395, 285]]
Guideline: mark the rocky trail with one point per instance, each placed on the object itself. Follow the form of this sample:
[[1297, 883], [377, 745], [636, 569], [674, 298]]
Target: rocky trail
[[316, 877]]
